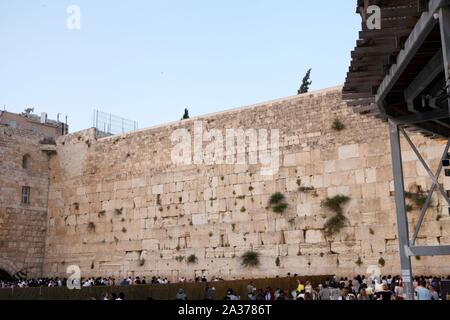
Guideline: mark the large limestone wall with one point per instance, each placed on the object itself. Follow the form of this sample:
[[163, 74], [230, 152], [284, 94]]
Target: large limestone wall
[[119, 206], [22, 227]]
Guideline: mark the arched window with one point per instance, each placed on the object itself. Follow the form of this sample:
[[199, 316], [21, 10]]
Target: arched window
[[26, 161]]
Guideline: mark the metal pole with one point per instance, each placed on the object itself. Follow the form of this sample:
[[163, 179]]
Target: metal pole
[[444, 22], [402, 218]]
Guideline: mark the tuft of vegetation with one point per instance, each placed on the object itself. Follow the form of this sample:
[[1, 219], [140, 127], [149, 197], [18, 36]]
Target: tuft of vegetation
[[192, 259], [381, 262], [277, 203], [243, 209], [76, 205], [179, 258], [418, 258], [419, 198], [251, 188], [178, 248], [118, 211], [371, 231], [335, 203], [359, 262], [338, 125], [335, 224], [409, 207], [101, 213], [277, 261], [124, 230], [250, 259]]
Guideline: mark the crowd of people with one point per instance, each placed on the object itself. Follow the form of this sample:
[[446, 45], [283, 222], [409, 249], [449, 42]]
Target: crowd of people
[[357, 288]]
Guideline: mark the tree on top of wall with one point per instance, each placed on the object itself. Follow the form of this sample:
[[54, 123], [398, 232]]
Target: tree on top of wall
[[306, 83]]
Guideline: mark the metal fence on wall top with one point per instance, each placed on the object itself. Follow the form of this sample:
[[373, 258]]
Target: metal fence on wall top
[[110, 124]]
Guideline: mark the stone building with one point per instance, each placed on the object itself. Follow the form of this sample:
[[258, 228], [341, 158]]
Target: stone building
[[120, 206]]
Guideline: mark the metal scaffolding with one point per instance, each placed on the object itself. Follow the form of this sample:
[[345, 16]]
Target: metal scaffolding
[[408, 247]]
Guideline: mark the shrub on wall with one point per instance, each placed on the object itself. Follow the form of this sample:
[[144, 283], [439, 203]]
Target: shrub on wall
[[277, 203], [338, 125], [250, 259], [359, 262], [337, 221], [192, 259]]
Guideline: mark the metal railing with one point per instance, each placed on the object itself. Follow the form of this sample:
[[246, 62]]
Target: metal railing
[[110, 124]]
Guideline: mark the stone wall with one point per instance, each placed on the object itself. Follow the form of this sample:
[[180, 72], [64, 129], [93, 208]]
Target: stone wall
[[120, 206], [22, 227]]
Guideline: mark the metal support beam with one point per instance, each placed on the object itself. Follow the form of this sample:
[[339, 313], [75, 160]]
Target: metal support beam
[[430, 195], [429, 251], [402, 218], [420, 117], [444, 21], [426, 167], [418, 35], [423, 79]]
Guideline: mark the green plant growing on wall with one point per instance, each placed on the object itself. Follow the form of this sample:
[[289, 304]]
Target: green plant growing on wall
[[192, 259], [335, 223], [359, 262], [338, 125], [76, 205], [101, 213], [124, 230], [371, 231], [277, 261], [419, 198], [277, 203], [243, 209], [409, 207], [381, 262], [179, 258], [178, 248], [250, 259], [118, 211]]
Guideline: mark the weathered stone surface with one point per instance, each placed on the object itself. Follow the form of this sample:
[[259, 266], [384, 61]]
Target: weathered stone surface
[[139, 200]]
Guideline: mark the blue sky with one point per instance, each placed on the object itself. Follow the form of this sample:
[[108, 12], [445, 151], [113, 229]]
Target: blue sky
[[148, 60]]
